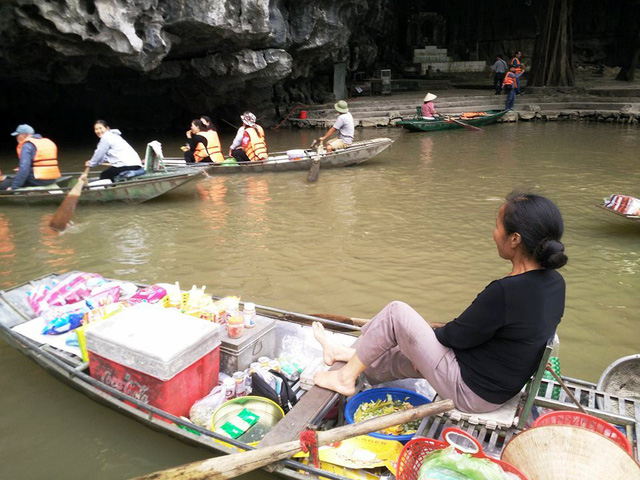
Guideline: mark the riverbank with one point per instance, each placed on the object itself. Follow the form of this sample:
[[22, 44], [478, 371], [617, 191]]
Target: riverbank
[[592, 99]]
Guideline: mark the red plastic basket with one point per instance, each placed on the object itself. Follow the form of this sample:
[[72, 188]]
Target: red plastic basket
[[578, 419], [414, 453]]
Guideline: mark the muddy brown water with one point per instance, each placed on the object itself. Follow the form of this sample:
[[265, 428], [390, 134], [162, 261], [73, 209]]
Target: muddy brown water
[[413, 224]]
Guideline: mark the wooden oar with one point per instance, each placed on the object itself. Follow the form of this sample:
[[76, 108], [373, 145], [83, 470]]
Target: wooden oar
[[359, 322], [63, 215], [230, 466], [314, 171], [466, 125]]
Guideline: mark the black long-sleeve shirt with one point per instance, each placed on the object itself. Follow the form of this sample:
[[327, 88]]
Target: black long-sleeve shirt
[[499, 339]]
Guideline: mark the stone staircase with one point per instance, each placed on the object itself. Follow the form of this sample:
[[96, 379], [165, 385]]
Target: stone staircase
[[432, 58]]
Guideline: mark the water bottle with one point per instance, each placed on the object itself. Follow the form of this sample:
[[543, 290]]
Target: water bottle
[[249, 315]]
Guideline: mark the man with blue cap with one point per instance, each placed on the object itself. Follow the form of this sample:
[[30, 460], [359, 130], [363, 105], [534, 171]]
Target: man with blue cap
[[38, 160], [344, 126]]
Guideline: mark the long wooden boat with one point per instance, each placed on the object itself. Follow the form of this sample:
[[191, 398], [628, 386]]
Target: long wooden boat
[[357, 153], [635, 218], [418, 124], [312, 407], [136, 190]]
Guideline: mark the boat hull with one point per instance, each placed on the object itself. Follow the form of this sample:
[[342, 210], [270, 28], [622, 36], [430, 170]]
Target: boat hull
[[137, 190], [420, 125], [357, 153]]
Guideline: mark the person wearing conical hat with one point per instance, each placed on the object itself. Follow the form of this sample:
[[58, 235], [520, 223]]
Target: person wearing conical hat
[[428, 108], [344, 126]]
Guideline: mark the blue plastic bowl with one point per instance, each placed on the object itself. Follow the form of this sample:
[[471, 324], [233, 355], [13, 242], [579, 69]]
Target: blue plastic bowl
[[374, 394]]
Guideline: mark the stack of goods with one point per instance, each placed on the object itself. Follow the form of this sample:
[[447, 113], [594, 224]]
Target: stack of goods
[[623, 204]]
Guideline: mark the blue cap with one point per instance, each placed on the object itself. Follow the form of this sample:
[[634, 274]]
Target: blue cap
[[24, 128]]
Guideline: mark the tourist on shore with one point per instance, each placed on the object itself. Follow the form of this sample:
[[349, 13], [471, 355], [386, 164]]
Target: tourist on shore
[[249, 145], [509, 85], [114, 150], [38, 160], [345, 127], [484, 357], [519, 68], [499, 69], [428, 109]]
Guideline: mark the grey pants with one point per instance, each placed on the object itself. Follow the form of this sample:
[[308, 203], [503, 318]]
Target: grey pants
[[398, 343]]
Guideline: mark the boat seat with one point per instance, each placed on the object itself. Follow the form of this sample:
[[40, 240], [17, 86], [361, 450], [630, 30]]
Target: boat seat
[[516, 411], [63, 181], [128, 174]]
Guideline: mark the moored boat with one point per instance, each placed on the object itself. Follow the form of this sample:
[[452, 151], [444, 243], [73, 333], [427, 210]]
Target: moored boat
[[313, 406], [135, 190], [418, 124], [622, 205], [357, 153]]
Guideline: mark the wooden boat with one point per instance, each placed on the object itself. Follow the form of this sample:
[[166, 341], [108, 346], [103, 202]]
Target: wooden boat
[[312, 407], [357, 153], [635, 218], [418, 124], [135, 190]]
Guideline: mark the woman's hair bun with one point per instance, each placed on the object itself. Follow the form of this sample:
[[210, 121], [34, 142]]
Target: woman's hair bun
[[550, 254]]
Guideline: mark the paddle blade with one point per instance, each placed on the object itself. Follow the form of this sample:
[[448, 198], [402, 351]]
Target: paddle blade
[[314, 171], [63, 215]]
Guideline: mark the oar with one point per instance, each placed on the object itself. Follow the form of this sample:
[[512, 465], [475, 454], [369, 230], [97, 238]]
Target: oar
[[63, 215], [314, 171], [358, 322], [231, 466], [466, 125]]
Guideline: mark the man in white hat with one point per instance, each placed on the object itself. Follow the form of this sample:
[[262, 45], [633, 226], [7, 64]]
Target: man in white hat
[[38, 159], [344, 126], [428, 109]]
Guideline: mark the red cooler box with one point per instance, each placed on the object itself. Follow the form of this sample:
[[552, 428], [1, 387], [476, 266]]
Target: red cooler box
[[158, 356]]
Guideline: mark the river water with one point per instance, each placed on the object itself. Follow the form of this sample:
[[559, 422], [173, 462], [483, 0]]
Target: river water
[[414, 224]]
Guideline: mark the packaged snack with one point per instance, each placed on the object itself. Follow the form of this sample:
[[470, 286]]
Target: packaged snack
[[152, 294]]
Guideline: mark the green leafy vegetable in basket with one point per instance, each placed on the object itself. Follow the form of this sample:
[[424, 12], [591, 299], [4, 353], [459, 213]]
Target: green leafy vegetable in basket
[[377, 408], [451, 465]]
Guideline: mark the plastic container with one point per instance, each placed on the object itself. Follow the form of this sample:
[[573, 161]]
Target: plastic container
[[235, 327], [374, 394], [413, 454], [156, 355], [249, 315], [303, 114], [296, 155], [578, 419]]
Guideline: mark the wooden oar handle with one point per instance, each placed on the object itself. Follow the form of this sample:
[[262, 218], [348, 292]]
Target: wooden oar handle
[[231, 466]]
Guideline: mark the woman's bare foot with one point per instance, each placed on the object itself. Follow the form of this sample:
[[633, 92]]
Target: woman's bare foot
[[336, 381], [330, 352]]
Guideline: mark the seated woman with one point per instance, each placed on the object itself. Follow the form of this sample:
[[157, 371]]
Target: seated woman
[[484, 357], [194, 138], [428, 108], [113, 149], [210, 150]]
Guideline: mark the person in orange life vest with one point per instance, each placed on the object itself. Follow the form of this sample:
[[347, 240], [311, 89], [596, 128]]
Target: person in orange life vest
[[193, 138], [203, 144], [38, 161], [510, 85], [519, 68], [249, 144], [213, 147]]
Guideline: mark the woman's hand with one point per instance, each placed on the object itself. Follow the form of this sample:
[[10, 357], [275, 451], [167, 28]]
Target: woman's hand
[[188, 133]]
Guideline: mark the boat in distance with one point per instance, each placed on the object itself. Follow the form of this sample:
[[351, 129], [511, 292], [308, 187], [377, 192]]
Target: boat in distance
[[356, 153], [419, 124]]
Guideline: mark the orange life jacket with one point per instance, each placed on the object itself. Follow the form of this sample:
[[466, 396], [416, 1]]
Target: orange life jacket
[[253, 143], [510, 79], [213, 150], [472, 114], [516, 63], [45, 162]]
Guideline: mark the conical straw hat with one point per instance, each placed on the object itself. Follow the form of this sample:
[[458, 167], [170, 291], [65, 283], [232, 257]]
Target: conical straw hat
[[429, 97], [565, 452]]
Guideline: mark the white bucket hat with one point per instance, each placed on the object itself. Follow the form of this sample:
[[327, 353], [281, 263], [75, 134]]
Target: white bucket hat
[[429, 97], [248, 118]]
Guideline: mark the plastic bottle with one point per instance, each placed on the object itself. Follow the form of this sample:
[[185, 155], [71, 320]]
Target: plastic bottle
[[241, 386], [175, 296], [235, 326], [229, 386], [249, 315]]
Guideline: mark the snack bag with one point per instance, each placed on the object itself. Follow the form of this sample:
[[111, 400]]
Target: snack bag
[[152, 294]]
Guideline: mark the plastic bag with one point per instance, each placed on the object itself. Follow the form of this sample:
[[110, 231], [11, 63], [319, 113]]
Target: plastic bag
[[202, 411], [448, 461]]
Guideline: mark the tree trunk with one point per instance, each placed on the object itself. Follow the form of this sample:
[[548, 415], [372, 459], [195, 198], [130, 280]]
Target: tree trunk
[[552, 63]]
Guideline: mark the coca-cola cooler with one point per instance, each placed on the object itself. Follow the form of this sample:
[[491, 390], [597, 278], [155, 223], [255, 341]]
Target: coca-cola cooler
[[157, 355]]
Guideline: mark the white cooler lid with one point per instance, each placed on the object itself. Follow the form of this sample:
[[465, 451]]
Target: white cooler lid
[[158, 341]]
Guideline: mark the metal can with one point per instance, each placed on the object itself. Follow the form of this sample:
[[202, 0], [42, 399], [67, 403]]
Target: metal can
[[240, 384], [274, 365], [229, 386], [264, 362]]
